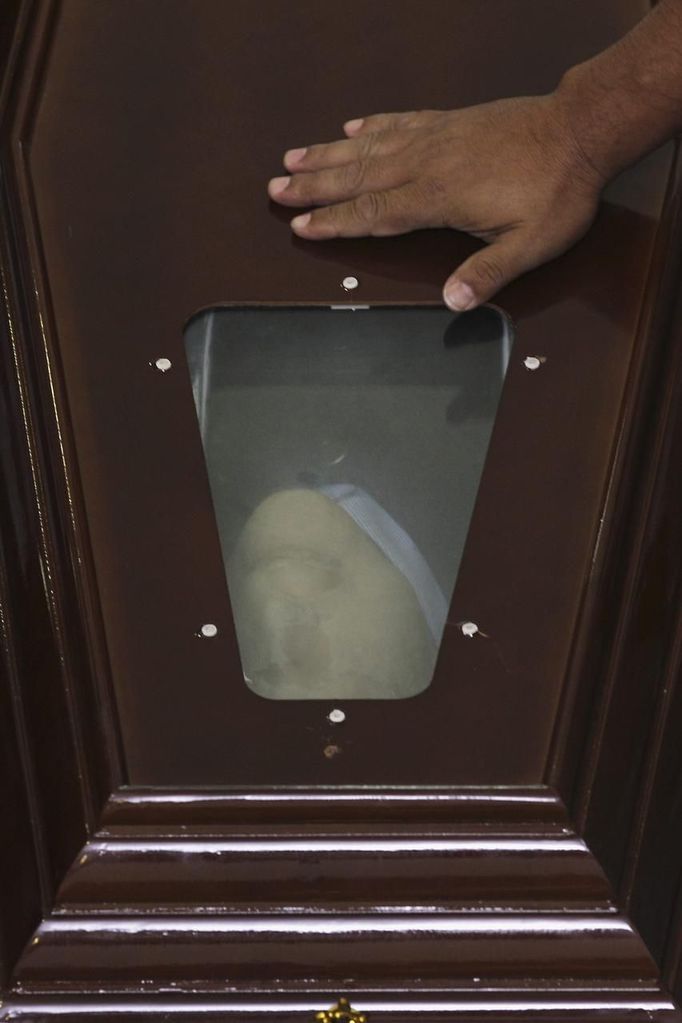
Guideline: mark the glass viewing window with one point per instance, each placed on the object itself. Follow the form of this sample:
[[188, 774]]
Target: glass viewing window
[[344, 450]]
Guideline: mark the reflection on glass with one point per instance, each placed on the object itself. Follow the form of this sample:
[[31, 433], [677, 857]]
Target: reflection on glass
[[344, 450]]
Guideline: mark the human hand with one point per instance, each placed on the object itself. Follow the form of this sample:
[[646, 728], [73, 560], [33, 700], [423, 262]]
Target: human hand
[[510, 173]]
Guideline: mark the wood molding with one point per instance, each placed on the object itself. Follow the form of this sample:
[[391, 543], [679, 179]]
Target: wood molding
[[431, 1005], [277, 891], [466, 849]]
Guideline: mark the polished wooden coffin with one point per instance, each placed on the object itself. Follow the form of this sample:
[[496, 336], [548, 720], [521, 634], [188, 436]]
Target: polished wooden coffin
[[507, 843]]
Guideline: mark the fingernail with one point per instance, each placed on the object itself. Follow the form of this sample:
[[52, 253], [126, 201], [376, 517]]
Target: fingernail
[[294, 155], [459, 297], [300, 222], [355, 125], [277, 186]]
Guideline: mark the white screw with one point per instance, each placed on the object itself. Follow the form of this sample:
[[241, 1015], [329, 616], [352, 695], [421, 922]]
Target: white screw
[[336, 716], [531, 362], [209, 630], [350, 283], [163, 365], [469, 629]]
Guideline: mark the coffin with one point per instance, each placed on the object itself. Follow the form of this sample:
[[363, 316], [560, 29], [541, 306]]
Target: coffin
[[461, 802]]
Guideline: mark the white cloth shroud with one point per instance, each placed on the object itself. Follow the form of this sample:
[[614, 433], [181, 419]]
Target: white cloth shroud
[[398, 546]]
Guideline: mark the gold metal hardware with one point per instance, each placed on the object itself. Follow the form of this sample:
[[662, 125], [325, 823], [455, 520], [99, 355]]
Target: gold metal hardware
[[341, 1013]]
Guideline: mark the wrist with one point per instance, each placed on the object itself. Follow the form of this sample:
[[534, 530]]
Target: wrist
[[576, 103], [608, 123], [627, 100]]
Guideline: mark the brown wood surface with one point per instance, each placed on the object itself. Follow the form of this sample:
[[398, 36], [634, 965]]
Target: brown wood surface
[[184, 177], [474, 853]]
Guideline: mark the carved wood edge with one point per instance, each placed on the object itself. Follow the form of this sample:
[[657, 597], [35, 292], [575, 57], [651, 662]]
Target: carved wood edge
[[304, 847], [629, 781], [590, 946], [227, 914], [435, 1006]]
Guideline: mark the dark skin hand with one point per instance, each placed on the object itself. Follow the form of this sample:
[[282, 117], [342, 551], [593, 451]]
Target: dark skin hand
[[523, 175], [506, 172]]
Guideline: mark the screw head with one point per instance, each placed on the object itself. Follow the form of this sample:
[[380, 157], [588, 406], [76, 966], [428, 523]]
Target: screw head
[[469, 628], [350, 283], [163, 365], [209, 630], [336, 716], [532, 362]]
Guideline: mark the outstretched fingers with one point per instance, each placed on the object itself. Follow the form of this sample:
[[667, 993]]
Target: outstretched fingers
[[379, 213], [390, 122], [338, 183], [350, 150]]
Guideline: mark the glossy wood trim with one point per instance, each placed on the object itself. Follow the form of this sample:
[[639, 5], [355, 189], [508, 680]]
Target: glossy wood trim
[[33, 854], [650, 662], [75, 615], [534, 872], [136, 807], [618, 550], [276, 848], [295, 947], [619, 1005]]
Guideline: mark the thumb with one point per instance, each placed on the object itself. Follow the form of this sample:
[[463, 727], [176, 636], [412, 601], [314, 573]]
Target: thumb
[[488, 271]]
